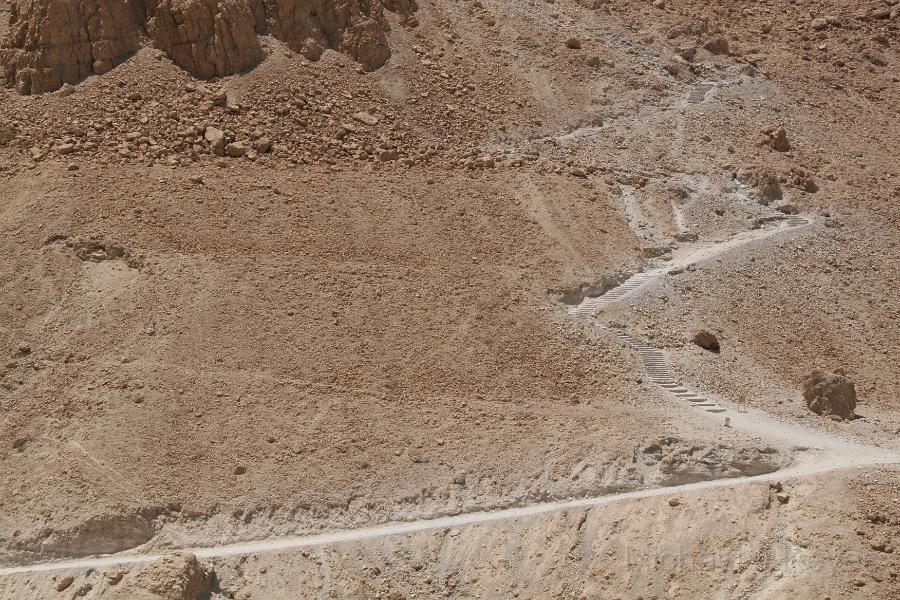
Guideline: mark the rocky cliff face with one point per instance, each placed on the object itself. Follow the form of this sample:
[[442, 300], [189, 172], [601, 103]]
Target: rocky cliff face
[[355, 27], [52, 42], [208, 38], [4, 17]]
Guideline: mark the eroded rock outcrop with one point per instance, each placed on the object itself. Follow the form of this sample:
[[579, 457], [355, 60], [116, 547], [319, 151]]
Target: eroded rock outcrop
[[764, 182], [207, 38], [178, 576], [52, 42], [354, 27]]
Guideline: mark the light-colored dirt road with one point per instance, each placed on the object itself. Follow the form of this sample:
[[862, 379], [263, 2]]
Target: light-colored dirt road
[[832, 454]]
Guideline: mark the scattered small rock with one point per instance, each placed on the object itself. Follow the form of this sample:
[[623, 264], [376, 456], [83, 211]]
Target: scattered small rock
[[113, 575], [388, 155], [573, 42], [364, 117], [718, 45], [216, 139], [237, 149], [220, 98], [263, 145], [776, 138], [64, 583]]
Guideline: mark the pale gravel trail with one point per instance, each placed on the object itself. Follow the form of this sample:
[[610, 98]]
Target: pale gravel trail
[[832, 460]]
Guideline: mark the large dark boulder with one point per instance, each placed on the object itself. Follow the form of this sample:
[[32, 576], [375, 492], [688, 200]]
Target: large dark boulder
[[830, 395]]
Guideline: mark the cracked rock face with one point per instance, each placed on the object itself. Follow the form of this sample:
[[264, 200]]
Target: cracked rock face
[[354, 27], [52, 42], [207, 38]]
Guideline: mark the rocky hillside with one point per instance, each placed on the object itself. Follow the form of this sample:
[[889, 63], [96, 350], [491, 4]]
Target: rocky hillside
[[279, 267]]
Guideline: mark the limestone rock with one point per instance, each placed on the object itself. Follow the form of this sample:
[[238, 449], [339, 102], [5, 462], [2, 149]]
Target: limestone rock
[[830, 395]]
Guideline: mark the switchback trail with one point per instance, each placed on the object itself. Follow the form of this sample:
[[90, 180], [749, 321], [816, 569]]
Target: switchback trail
[[816, 451]]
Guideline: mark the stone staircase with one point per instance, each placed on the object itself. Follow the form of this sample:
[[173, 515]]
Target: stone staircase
[[589, 306], [661, 373]]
